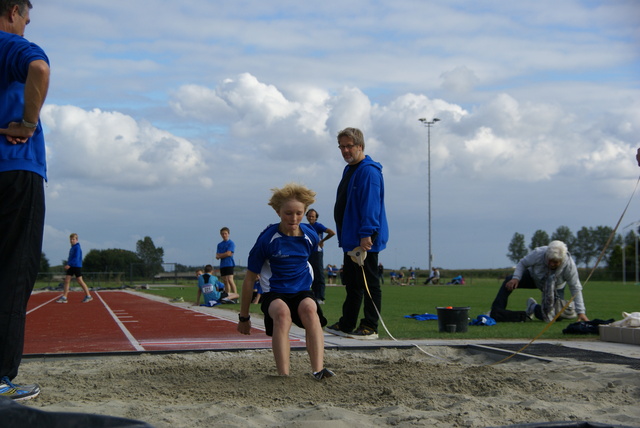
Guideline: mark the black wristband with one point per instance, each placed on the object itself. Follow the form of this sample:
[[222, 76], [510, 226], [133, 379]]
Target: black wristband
[[244, 319]]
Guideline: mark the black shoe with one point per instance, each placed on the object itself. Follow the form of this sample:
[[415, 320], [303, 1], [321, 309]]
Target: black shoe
[[323, 374], [335, 329], [365, 333]]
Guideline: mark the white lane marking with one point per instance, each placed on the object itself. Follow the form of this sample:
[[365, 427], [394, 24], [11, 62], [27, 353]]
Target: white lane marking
[[45, 303], [126, 332]]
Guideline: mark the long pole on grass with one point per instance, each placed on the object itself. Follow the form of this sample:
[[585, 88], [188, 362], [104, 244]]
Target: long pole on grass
[[428, 124]]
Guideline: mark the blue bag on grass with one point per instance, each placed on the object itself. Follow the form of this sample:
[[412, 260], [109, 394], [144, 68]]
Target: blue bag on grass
[[483, 320]]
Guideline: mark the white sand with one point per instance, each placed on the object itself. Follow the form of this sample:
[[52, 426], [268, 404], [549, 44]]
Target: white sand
[[388, 387]]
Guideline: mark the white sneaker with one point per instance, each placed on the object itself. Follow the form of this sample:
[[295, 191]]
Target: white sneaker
[[531, 306]]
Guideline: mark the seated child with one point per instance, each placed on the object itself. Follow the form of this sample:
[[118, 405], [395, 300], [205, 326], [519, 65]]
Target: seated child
[[209, 287], [281, 257]]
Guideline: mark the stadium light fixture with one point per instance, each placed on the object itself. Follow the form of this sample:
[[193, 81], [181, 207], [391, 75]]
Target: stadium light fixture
[[428, 124]]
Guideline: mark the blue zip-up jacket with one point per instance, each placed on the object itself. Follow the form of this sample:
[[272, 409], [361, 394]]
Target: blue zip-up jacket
[[16, 53], [75, 255], [364, 213]]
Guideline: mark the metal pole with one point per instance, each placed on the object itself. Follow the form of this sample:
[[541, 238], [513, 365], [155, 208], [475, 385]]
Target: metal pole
[[624, 268], [428, 125], [429, 189], [637, 237]]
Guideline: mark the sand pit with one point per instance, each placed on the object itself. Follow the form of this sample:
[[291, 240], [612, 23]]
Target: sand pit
[[387, 387]]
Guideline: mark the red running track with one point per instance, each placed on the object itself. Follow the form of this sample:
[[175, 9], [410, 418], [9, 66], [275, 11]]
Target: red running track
[[122, 322]]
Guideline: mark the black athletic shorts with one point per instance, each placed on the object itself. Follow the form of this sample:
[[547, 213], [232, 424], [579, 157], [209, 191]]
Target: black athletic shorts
[[226, 271], [292, 301], [74, 271]]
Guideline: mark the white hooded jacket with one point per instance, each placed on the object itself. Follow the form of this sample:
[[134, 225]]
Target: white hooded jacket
[[567, 273]]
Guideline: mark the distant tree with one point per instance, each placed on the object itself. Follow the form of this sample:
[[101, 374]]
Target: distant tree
[[615, 259], [630, 238], [590, 243], [601, 236], [517, 248], [584, 249], [186, 268], [112, 260], [564, 234], [44, 264], [540, 238], [151, 256]]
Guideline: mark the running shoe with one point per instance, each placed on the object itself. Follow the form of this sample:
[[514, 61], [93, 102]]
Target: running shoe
[[323, 374], [18, 392], [364, 333], [335, 329], [531, 306], [87, 299], [62, 299]]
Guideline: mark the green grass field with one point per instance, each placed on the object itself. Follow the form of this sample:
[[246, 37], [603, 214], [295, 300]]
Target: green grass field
[[604, 300]]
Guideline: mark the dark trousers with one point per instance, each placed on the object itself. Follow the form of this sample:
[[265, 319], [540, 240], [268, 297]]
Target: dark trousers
[[499, 304], [21, 228], [356, 291], [318, 285]]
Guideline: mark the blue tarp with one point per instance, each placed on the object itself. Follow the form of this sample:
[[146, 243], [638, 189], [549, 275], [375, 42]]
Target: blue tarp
[[422, 317]]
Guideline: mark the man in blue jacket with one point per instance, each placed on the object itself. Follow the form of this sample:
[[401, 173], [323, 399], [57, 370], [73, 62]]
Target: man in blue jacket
[[24, 81], [361, 221]]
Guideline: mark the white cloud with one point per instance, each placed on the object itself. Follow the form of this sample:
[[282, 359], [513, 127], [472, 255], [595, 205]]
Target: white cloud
[[459, 80], [113, 149]]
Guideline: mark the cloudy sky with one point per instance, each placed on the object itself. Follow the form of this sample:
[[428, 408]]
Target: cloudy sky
[[173, 119]]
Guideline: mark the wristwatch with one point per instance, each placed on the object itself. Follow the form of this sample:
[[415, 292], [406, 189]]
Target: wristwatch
[[29, 124], [244, 319]]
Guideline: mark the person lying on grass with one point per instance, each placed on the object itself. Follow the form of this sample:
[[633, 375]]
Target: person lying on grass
[[281, 257]]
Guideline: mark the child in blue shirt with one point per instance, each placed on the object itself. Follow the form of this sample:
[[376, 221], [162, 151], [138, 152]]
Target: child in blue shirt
[[224, 253], [280, 257], [74, 268], [211, 289]]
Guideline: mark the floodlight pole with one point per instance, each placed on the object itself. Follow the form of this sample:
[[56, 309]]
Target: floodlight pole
[[636, 239], [428, 124]]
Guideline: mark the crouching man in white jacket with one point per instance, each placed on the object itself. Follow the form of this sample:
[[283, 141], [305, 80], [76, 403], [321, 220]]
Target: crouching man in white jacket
[[548, 269]]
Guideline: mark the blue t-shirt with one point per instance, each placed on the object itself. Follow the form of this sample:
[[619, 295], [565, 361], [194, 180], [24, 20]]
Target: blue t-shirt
[[16, 53], [223, 247], [283, 261], [320, 230], [209, 285]]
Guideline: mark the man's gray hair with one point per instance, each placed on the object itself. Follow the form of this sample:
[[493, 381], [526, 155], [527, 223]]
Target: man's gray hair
[[355, 134], [557, 250]]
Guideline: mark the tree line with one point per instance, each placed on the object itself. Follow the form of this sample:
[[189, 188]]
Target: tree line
[[585, 246], [146, 261]]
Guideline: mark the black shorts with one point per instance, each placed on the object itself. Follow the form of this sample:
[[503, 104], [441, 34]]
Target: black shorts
[[292, 301], [74, 271], [226, 271]]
